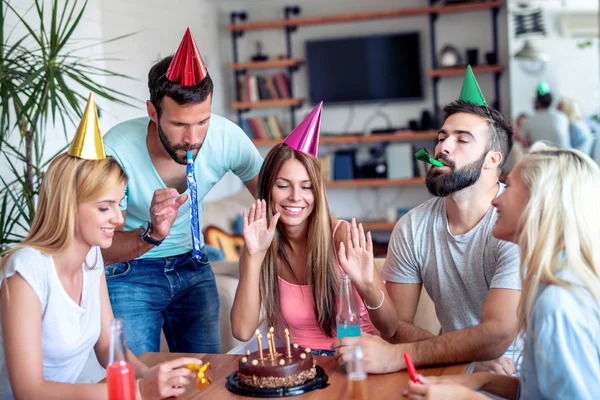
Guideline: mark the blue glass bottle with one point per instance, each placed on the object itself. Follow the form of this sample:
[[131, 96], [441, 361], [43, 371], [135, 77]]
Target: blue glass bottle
[[347, 319]]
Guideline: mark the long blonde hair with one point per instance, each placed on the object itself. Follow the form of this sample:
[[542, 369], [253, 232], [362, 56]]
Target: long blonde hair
[[571, 109], [68, 182], [321, 268], [559, 226]]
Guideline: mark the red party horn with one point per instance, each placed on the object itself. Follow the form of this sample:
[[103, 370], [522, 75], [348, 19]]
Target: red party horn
[[410, 367]]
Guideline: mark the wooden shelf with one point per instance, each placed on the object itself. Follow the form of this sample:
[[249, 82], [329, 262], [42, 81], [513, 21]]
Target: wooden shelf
[[452, 71], [379, 226], [281, 63], [243, 105], [364, 16], [397, 136], [354, 183]]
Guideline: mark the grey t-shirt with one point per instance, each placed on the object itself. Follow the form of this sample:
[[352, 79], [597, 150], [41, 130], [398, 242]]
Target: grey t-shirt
[[549, 125], [457, 271]]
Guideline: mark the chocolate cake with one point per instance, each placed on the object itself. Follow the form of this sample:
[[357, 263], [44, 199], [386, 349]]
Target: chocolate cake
[[279, 371]]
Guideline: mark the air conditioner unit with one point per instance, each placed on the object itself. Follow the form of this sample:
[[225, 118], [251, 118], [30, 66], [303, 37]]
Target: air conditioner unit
[[579, 25]]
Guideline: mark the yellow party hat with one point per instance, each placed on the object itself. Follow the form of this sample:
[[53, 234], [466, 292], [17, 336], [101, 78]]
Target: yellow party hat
[[87, 143]]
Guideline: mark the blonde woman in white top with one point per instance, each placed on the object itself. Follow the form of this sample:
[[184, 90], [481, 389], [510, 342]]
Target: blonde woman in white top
[[54, 303]]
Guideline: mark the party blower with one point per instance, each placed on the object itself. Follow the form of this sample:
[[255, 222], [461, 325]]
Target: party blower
[[193, 199], [410, 367], [423, 155], [202, 381]]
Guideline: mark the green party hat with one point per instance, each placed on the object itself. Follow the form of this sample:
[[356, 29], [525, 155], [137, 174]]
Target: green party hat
[[543, 88], [470, 89]]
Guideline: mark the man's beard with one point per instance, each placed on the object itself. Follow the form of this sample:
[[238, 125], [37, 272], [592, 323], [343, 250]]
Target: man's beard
[[172, 148], [442, 184]]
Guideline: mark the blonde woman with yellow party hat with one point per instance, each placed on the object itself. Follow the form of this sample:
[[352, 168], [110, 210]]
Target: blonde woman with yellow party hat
[[54, 303]]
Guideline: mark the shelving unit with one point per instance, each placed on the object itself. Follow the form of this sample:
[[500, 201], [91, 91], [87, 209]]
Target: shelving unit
[[279, 63], [437, 73], [362, 16], [460, 71], [292, 21], [397, 136], [375, 182], [246, 105], [378, 226], [290, 24], [289, 63]]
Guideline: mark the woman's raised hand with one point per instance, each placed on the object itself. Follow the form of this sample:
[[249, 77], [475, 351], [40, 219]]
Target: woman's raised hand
[[356, 255], [258, 234]]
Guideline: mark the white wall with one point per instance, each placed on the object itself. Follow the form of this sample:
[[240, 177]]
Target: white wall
[[159, 28], [365, 203], [88, 31], [159, 31], [571, 71]]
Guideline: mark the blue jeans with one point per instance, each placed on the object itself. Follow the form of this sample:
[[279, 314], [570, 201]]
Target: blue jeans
[[178, 294]]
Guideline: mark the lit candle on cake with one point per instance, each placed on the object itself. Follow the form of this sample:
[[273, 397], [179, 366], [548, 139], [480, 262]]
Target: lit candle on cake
[[272, 331], [259, 341], [270, 346], [287, 343]]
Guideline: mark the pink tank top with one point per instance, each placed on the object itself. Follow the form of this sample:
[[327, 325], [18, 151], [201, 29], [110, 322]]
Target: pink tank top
[[297, 308]]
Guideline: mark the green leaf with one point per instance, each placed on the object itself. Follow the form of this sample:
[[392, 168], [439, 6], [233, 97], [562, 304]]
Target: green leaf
[[41, 77], [25, 24], [64, 39]]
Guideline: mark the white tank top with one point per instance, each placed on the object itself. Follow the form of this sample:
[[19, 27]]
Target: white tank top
[[69, 330]]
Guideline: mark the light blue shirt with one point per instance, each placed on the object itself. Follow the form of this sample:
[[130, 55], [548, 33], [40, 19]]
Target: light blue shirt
[[562, 353], [582, 138], [226, 148]]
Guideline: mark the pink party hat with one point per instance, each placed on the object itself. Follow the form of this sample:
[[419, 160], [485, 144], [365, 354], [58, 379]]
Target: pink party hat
[[305, 137]]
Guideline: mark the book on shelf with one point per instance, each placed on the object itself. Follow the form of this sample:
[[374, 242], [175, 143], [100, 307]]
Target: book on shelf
[[255, 87], [262, 127], [400, 158], [326, 161]]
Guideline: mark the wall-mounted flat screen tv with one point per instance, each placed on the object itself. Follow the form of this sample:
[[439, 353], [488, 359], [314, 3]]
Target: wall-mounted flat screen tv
[[368, 68]]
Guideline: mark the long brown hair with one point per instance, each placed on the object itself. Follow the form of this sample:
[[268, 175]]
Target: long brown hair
[[321, 268], [68, 181]]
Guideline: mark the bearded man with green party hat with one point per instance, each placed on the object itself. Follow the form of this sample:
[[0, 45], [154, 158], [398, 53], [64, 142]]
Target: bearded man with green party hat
[[446, 245], [547, 124]]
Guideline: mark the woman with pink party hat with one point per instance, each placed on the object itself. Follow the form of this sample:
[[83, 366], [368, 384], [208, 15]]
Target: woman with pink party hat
[[290, 251]]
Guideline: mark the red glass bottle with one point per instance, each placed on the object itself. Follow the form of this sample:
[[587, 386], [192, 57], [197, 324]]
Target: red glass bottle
[[120, 374]]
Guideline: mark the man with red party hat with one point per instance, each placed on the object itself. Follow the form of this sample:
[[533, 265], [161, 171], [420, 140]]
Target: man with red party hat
[[446, 245], [154, 281]]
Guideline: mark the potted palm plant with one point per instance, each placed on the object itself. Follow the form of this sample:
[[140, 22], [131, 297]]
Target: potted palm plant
[[44, 83]]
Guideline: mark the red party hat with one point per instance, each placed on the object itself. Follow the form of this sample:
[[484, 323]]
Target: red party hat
[[305, 137], [187, 67]]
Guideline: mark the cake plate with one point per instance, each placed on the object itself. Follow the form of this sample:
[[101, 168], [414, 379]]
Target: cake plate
[[234, 385]]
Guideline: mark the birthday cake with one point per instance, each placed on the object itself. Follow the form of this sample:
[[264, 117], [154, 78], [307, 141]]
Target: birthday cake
[[279, 370]]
